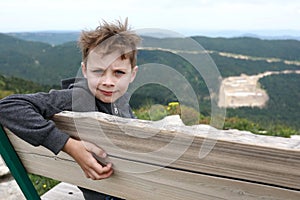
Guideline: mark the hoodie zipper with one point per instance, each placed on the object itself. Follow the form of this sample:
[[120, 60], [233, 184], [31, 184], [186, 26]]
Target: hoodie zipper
[[115, 109]]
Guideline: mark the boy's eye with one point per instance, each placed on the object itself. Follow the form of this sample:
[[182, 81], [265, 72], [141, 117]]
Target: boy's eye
[[119, 72], [98, 71]]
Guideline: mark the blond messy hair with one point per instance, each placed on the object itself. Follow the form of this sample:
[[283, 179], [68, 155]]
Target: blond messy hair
[[110, 37]]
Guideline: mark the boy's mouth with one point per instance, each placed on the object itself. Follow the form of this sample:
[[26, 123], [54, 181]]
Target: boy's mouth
[[106, 93]]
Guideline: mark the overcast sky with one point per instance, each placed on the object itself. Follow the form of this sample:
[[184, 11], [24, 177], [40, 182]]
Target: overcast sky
[[185, 17]]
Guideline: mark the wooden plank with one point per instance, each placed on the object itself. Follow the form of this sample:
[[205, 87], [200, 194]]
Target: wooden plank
[[237, 155], [157, 183], [160, 184], [63, 191]]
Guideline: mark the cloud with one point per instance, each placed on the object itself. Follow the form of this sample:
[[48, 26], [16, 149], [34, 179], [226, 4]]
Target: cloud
[[169, 14]]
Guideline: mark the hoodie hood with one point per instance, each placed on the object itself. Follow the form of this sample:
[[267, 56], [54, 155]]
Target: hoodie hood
[[84, 100]]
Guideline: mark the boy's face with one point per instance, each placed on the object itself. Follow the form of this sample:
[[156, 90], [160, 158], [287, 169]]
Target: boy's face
[[108, 77]]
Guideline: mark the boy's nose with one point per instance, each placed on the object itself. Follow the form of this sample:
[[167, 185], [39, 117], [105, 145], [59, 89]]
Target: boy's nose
[[108, 80]]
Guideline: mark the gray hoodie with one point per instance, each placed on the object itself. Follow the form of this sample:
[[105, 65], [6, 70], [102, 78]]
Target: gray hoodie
[[29, 115]]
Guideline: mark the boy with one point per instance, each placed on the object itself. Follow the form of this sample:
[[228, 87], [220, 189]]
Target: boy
[[108, 66]]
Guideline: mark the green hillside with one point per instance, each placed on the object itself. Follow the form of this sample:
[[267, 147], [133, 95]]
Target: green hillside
[[36, 61], [14, 85]]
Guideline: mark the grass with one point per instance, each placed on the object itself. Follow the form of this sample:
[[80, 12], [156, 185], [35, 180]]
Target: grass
[[42, 184]]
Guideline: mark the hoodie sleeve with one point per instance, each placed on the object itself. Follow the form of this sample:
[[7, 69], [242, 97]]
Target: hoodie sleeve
[[28, 116]]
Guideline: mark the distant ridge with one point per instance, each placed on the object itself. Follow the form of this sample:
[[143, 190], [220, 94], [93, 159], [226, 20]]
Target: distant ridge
[[281, 37], [260, 34], [60, 37], [50, 37]]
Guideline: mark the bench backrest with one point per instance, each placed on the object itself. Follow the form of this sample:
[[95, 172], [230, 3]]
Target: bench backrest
[[160, 160]]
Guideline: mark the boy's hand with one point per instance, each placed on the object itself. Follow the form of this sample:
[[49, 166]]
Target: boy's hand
[[82, 152]]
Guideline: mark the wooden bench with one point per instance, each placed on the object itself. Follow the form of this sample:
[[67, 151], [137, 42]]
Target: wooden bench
[[165, 160]]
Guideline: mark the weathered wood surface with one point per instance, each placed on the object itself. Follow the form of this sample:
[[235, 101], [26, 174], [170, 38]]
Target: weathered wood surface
[[239, 166], [63, 191]]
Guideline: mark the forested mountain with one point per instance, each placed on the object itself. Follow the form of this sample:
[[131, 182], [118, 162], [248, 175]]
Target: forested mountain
[[14, 85], [47, 64], [36, 61]]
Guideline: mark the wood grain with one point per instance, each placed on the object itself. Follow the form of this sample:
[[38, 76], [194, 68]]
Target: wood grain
[[242, 155], [239, 166]]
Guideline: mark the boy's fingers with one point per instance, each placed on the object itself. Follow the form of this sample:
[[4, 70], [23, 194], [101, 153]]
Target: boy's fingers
[[100, 172], [102, 169], [95, 149]]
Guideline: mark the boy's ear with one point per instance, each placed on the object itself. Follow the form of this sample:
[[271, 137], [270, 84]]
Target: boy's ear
[[133, 73], [83, 69]]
